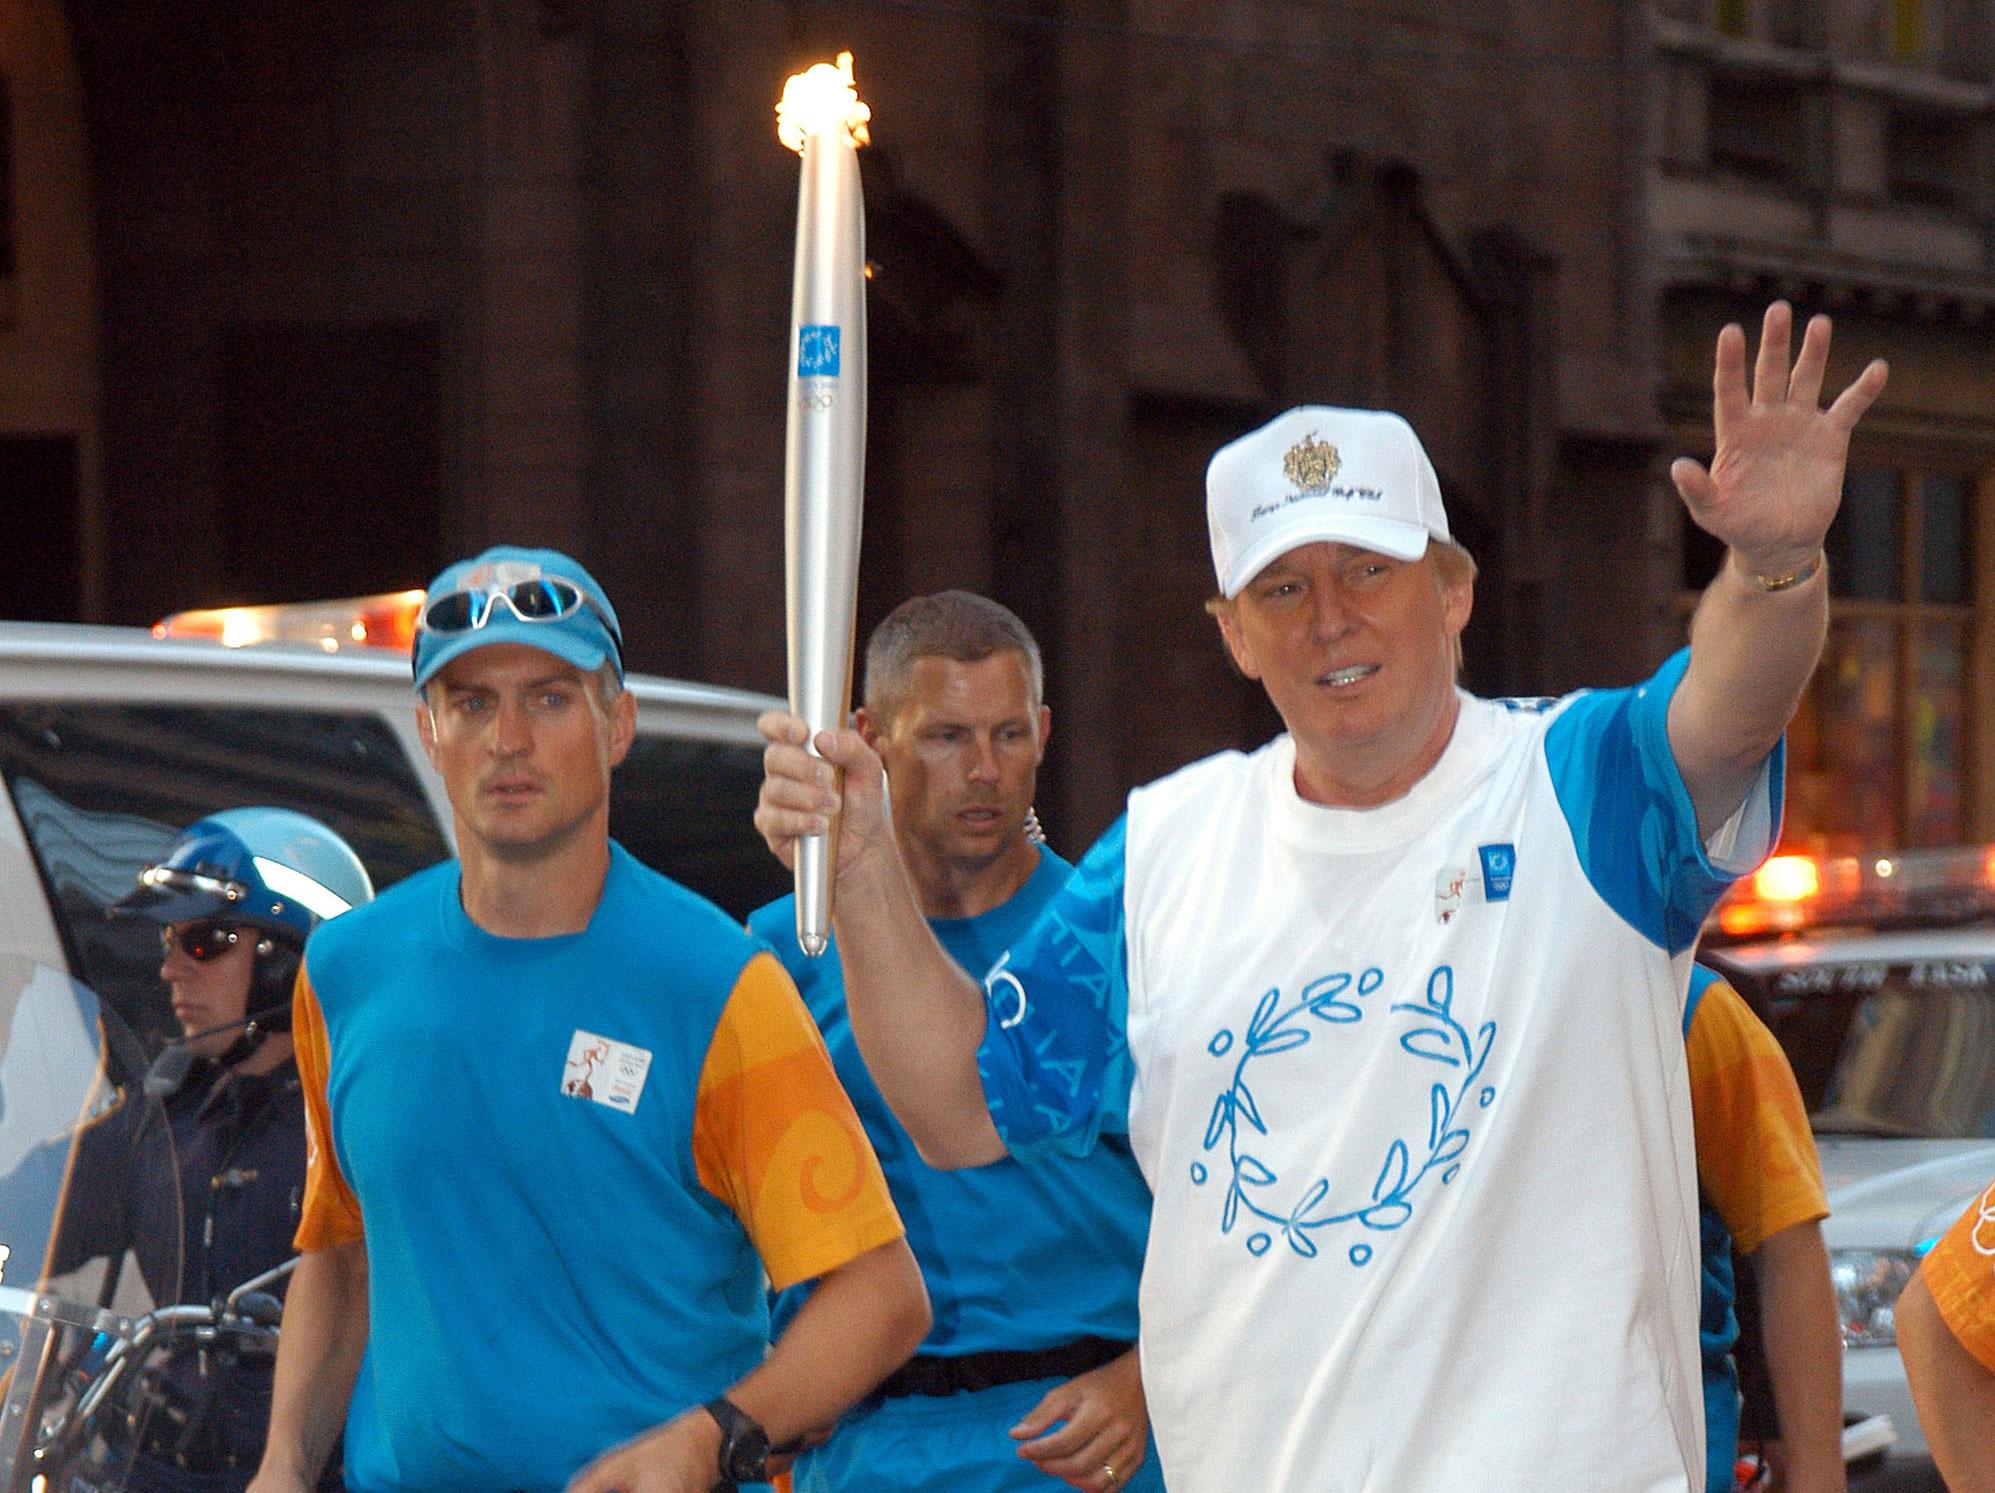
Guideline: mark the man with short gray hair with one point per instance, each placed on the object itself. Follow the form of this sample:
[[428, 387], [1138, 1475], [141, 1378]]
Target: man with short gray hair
[[1029, 1375]]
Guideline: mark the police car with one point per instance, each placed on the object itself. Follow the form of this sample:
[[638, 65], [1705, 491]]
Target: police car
[[112, 740], [1878, 976]]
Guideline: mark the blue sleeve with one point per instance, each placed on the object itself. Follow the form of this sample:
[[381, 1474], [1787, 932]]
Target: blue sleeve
[[1702, 978], [1055, 1054], [768, 919], [1630, 814]]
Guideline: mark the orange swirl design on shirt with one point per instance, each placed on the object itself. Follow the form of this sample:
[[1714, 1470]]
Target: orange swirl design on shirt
[[815, 1163], [775, 1137]]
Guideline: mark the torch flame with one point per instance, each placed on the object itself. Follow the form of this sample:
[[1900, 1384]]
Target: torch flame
[[820, 99]]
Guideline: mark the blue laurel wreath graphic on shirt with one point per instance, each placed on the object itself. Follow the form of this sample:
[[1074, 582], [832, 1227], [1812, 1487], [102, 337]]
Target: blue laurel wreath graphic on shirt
[[1333, 1000]]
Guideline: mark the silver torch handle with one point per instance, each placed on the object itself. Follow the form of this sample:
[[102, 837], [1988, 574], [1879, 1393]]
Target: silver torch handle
[[824, 474]]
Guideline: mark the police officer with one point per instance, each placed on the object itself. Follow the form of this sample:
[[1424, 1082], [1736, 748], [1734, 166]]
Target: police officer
[[201, 1175]]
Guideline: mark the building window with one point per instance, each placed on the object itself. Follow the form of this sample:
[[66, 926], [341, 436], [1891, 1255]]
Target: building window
[[1905, 21], [1787, 23], [1756, 125], [1878, 755], [1879, 752], [1930, 159]]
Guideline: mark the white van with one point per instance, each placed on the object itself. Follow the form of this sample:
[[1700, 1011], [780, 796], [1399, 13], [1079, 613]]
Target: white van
[[112, 740]]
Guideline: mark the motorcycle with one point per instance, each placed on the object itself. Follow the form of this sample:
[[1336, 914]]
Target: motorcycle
[[102, 1402], [91, 1369]]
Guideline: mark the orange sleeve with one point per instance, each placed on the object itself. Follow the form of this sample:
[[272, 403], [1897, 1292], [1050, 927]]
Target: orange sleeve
[[1960, 1273], [1755, 1154], [775, 1138], [330, 1213]]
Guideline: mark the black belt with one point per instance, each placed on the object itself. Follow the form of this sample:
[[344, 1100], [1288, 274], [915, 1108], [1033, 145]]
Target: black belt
[[948, 1374]]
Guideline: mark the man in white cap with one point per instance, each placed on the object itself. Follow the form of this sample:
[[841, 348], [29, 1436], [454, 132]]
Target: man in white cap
[[1390, 1009]]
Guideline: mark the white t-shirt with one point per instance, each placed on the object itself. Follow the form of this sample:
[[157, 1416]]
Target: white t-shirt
[[1408, 1086]]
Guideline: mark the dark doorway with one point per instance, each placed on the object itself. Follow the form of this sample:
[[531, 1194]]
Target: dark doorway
[[330, 475], [41, 564]]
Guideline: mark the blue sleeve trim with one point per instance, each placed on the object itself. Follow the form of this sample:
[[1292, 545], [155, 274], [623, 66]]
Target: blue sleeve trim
[[1701, 980], [1055, 1055], [1630, 814]]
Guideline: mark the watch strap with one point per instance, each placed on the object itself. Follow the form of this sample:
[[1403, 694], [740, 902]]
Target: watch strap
[[736, 1426]]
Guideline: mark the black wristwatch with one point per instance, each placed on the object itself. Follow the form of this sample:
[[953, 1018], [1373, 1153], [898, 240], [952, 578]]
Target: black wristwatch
[[744, 1445]]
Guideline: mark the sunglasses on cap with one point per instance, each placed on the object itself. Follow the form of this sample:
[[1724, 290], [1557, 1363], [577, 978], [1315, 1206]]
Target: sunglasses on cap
[[201, 941], [546, 598]]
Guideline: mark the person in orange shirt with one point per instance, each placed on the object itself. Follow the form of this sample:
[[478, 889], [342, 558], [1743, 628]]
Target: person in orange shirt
[[1760, 1186], [1946, 1335], [565, 1119]]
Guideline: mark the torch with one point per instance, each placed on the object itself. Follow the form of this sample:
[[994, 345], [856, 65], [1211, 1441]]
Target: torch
[[824, 469]]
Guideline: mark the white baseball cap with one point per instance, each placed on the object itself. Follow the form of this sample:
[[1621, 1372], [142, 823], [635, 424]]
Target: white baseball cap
[[1357, 477]]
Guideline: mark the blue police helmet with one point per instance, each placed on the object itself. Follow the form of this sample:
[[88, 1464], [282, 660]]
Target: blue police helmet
[[263, 868]]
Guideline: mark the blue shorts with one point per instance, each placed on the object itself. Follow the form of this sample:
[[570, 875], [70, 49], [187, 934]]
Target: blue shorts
[[918, 1443]]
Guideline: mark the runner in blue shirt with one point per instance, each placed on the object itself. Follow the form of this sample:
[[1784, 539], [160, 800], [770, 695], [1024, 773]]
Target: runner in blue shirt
[[1029, 1374], [564, 1119]]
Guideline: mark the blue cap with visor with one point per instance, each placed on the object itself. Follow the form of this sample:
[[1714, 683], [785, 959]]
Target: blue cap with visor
[[541, 598]]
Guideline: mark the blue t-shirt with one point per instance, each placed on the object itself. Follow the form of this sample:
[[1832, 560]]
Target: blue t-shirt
[[1016, 1256], [547, 1275]]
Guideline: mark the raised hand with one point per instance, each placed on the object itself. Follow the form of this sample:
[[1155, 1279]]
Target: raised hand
[[1776, 479]]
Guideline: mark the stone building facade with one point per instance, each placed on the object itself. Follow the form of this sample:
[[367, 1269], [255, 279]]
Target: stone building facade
[[301, 300]]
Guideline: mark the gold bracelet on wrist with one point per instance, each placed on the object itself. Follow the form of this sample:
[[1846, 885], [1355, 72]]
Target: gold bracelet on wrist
[[1772, 585]]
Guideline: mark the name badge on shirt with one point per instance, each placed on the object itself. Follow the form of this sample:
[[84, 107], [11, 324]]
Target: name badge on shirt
[[605, 1071], [1490, 881]]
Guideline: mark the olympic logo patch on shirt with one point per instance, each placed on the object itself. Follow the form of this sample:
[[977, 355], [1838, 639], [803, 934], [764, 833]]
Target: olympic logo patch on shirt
[[1458, 886], [605, 1071]]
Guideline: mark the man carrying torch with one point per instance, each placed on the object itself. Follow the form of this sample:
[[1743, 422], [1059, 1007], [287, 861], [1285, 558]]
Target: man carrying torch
[[1389, 1011]]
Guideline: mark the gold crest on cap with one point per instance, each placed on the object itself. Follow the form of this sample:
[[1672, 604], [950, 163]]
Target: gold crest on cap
[[1311, 465]]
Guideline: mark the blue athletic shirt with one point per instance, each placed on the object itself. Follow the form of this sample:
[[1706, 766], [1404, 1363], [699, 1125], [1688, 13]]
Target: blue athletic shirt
[[520, 1125], [1016, 1256]]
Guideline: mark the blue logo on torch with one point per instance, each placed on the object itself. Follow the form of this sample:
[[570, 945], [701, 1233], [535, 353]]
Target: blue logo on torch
[[817, 352]]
